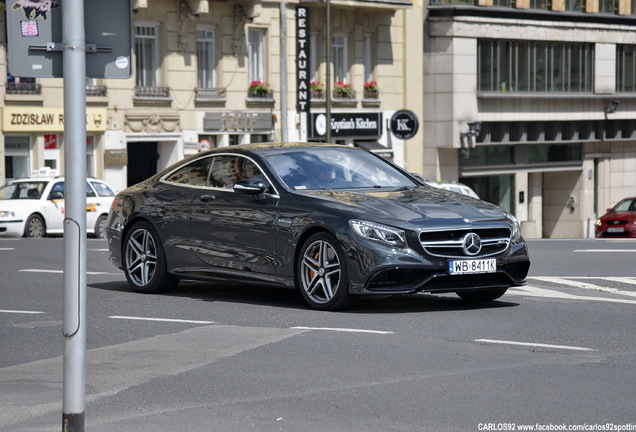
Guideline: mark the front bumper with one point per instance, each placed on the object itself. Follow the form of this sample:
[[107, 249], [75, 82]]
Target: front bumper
[[11, 228]]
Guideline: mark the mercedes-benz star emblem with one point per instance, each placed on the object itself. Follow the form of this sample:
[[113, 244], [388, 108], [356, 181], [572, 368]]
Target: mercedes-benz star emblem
[[472, 244]]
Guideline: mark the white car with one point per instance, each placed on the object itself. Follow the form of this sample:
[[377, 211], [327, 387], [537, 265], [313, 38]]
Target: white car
[[34, 207]]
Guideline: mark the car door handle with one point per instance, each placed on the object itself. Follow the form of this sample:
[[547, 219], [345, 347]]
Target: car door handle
[[207, 198]]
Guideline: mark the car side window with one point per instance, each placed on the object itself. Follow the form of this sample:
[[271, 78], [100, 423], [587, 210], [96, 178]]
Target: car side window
[[57, 187], [228, 170], [193, 174], [102, 189]]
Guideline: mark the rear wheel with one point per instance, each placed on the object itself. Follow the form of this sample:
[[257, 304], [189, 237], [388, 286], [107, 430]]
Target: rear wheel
[[483, 295], [100, 227], [322, 273], [145, 260], [34, 227]]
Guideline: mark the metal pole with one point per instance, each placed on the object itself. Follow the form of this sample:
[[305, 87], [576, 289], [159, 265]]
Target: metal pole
[[328, 61], [74, 328], [283, 70]]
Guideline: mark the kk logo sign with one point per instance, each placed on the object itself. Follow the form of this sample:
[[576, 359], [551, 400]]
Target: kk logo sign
[[404, 124]]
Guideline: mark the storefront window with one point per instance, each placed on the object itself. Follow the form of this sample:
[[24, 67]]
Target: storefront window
[[489, 155], [17, 157]]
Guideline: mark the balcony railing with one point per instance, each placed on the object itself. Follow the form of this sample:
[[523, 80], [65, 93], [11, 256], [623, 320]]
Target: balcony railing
[[152, 92], [23, 88], [266, 95], [343, 96], [96, 91], [210, 93]]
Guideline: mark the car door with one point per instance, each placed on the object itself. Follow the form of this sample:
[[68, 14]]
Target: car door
[[53, 208], [234, 232]]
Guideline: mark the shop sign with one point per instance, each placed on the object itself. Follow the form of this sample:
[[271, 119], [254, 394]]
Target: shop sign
[[238, 121], [404, 124], [302, 59], [347, 125], [29, 119], [50, 142]]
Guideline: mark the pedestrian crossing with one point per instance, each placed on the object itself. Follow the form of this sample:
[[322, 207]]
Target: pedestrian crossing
[[607, 289]]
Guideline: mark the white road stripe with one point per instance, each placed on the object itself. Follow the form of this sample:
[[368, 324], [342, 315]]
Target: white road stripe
[[605, 250], [529, 344], [349, 330], [161, 320], [532, 291], [20, 312], [62, 271], [7, 249], [582, 285]]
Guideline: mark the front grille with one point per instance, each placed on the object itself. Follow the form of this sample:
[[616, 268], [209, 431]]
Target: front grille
[[450, 244]]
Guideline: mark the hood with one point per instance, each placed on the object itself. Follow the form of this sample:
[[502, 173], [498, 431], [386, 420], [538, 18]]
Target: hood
[[420, 205]]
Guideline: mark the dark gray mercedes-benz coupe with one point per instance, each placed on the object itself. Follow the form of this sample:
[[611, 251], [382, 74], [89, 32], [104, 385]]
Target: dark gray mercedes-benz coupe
[[333, 221]]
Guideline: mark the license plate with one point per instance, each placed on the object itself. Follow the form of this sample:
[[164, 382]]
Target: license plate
[[472, 266], [616, 229]]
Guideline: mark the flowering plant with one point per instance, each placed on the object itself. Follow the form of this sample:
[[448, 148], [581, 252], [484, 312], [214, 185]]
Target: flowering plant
[[371, 86], [342, 88], [317, 86], [259, 88]]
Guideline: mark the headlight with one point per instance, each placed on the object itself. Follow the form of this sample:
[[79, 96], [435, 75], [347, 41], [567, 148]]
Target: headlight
[[599, 223], [377, 232], [6, 214], [515, 229]]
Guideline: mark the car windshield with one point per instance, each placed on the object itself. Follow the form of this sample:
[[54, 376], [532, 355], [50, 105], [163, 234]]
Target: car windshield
[[22, 190], [333, 168], [625, 205]]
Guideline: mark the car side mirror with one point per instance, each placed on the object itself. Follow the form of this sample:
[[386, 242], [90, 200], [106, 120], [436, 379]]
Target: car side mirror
[[56, 195], [250, 186]]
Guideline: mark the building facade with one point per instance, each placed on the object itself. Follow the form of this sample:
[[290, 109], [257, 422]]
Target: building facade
[[208, 74], [533, 104]]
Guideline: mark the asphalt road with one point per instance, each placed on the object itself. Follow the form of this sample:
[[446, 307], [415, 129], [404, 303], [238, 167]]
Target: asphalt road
[[557, 354]]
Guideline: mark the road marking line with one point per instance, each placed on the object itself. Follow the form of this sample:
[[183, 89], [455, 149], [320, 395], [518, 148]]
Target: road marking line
[[532, 291], [62, 271], [161, 320], [7, 249], [605, 250], [540, 345], [583, 285], [348, 330], [21, 312], [625, 280]]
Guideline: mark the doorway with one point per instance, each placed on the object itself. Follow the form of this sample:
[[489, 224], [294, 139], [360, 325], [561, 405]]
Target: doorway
[[142, 161]]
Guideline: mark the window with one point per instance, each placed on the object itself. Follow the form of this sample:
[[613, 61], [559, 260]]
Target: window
[[626, 68], [17, 160], [205, 57], [256, 55], [608, 6], [228, 170], [340, 63], [367, 57], [146, 54], [522, 66]]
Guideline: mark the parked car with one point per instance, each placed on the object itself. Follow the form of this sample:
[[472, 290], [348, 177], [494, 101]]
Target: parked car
[[333, 221], [34, 207], [619, 221], [456, 187]]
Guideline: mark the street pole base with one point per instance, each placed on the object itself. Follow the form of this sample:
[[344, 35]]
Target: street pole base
[[73, 422]]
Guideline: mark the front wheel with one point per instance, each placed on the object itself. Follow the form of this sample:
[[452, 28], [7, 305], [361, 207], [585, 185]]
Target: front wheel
[[322, 273], [34, 227], [483, 295], [145, 261]]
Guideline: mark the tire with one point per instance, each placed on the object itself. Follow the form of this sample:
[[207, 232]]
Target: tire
[[34, 227], [322, 273], [145, 261], [100, 227], [483, 295]]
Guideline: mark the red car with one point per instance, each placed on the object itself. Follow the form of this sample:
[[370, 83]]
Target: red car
[[619, 221]]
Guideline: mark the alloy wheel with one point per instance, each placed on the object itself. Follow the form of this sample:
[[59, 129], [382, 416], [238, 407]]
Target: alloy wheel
[[320, 271]]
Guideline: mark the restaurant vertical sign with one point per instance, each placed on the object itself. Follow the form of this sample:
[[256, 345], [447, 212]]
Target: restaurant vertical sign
[[302, 59]]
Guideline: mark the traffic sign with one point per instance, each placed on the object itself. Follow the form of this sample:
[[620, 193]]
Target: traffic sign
[[35, 46]]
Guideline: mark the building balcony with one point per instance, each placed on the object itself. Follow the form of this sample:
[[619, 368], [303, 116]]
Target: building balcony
[[96, 90], [210, 94], [23, 88]]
